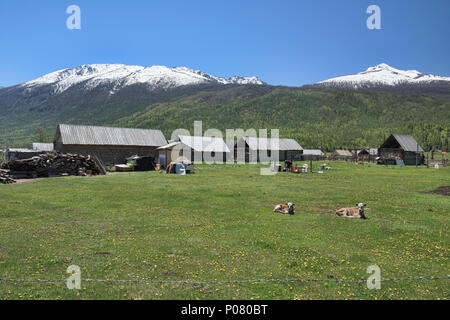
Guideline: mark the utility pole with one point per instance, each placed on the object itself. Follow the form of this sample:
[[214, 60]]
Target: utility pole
[[417, 152]]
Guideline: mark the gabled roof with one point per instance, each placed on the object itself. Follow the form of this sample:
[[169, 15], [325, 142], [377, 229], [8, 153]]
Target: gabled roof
[[407, 143], [255, 143], [93, 135], [204, 144], [371, 151], [313, 152], [169, 146], [42, 146], [343, 153]]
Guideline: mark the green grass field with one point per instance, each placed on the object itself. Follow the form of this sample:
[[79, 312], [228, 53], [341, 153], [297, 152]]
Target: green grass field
[[217, 224]]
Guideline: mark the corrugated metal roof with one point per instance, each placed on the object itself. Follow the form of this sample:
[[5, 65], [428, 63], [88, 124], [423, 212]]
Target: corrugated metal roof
[[42, 146], [255, 143], [19, 150], [170, 145], [204, 144], [93, 135], [408, 143], [313, 152]]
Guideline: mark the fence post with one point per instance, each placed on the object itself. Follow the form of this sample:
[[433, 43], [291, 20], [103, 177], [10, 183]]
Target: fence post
[[417, 151]]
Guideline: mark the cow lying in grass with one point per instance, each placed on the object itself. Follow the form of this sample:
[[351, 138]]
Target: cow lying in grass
[[287, 208], [352, 212]]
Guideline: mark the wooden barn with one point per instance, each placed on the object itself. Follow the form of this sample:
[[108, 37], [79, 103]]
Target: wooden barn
[[342, 155], [401, 149], [261, 149], [368, 154], [193, 148], [110, 145]]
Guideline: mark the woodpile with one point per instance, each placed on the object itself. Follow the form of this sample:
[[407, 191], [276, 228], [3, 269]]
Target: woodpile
[[5, 177], [53, 164]]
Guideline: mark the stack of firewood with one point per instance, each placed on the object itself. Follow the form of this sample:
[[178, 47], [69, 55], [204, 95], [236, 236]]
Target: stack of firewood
[[5, 177], [54, 164]]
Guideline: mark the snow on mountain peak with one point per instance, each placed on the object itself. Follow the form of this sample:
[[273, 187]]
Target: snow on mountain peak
[[120, 75], [382, 75]]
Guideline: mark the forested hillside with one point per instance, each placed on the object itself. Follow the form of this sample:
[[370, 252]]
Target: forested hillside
[[316, 118], [325, 118]]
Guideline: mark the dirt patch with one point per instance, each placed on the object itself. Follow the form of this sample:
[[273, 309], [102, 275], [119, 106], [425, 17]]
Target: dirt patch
[[445, 191], [20, 181]]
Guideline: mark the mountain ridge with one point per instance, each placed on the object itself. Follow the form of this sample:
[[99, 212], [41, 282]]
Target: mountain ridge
[[120, 76], [314, 116], [383, 77]]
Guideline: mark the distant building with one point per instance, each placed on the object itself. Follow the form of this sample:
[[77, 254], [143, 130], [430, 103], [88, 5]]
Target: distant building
[[23, 153], [111, 145], [367, 154], [47, 147], [193, 148], [401, 149], [342, 155], [313, 154], [20, 154], [261, 149]]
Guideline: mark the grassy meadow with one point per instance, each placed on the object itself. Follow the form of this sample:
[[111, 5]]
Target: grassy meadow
[[217, 224]]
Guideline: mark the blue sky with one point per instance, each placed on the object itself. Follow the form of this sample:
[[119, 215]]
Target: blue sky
[[284, 42]]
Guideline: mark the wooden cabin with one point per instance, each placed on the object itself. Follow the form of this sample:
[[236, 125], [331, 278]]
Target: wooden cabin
[[342, 155], [254, 149], [111, 145], [194, 149], [401, 149]]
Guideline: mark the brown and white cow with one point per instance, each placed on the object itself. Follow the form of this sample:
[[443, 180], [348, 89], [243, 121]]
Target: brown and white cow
[[352, 212], [287, 208]]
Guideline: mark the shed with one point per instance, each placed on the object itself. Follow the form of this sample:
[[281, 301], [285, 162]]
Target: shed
[[257, 149], [194, 148], [20, 153], [401, 147], [366, 154], [47, 147], [342, 155], [313, 154], [111, 145]]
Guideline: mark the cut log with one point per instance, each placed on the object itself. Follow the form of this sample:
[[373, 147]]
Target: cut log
[[53, 164]]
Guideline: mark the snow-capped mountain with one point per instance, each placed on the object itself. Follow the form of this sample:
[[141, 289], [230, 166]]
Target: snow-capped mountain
[[118, 76], [384, 76]]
